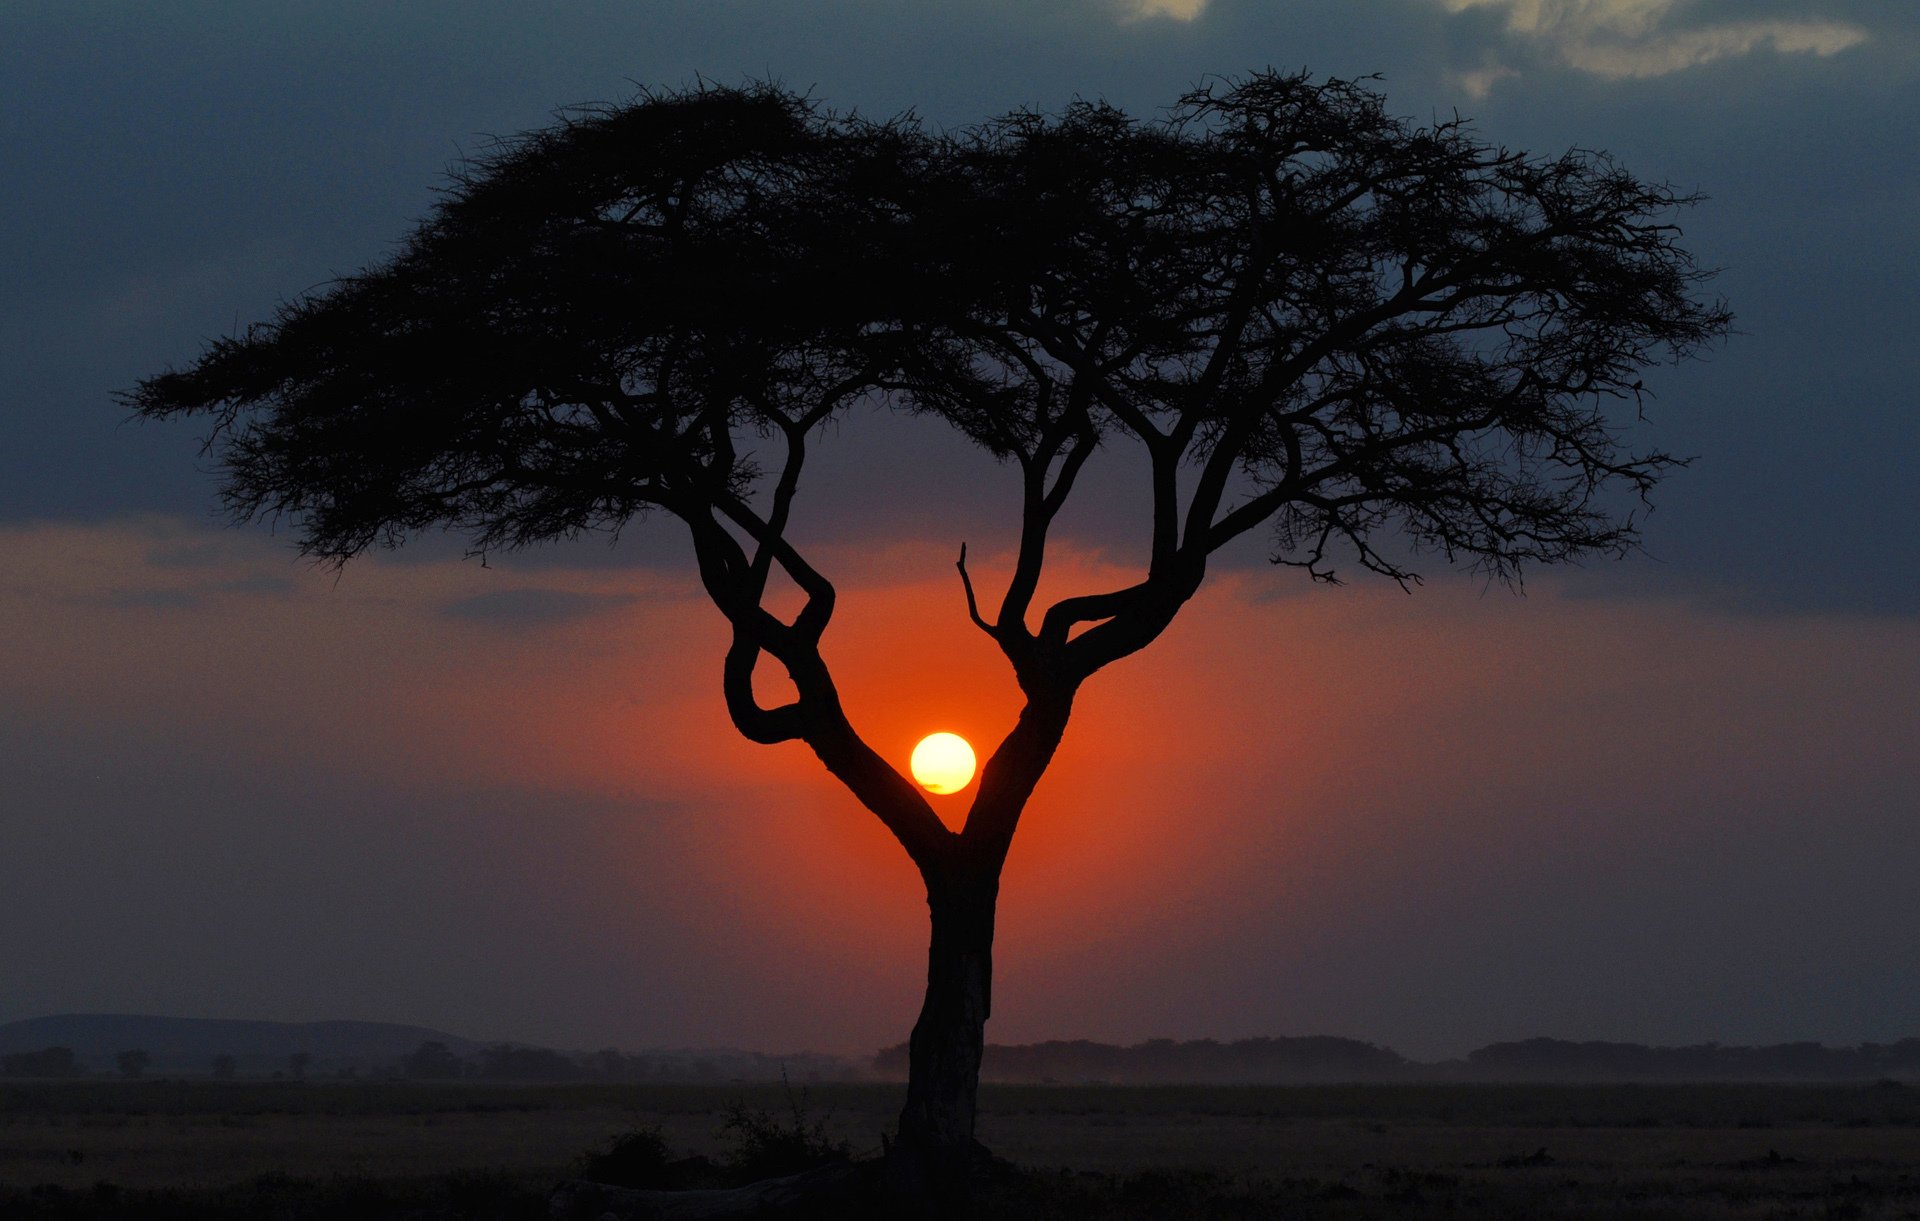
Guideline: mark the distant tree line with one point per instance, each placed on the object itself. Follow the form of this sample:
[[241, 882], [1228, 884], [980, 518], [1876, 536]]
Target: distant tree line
[[435, 1061], [1328, 1059], [1558, 1059], [62, 1062], [1165, 1061], [1154, 1062], [49, 1062], [133, 1063]]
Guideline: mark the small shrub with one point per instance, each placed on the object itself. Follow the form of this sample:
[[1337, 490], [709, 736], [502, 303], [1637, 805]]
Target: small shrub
[[642, 1158], [768, 1146], [633, 1159]]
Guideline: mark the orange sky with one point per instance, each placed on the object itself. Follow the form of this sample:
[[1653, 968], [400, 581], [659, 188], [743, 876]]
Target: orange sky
[[1304, 810]]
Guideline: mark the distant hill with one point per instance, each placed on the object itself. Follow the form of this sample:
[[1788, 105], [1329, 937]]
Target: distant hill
[[190, 1044]]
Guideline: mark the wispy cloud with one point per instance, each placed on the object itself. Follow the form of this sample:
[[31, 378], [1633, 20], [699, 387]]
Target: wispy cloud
[[1686, 48], [1176, 10], [1636, 39]]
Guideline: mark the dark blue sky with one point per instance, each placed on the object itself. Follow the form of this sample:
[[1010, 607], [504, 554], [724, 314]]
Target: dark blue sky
[[177, 170]]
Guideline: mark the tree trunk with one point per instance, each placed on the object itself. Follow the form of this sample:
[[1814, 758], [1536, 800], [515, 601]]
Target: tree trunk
[[936, 1145]]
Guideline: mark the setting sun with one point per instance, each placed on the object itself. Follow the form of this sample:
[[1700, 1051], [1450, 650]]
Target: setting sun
[[943, 763]]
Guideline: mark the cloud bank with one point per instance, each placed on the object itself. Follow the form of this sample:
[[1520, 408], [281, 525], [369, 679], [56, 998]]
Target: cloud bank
[[1639, 39]]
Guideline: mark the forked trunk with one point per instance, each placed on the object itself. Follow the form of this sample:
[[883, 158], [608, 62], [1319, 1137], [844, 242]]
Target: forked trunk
[[936, 1144]]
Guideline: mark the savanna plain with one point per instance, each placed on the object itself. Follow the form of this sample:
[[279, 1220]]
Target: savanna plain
[[300, 1150]]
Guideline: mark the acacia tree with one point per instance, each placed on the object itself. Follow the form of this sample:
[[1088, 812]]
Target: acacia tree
[[1369, 337]]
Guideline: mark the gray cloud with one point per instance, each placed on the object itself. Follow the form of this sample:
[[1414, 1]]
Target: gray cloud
[[1635, 39], [1173, 10]]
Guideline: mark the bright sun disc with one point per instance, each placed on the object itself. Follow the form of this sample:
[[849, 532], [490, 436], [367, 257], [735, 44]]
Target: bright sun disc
[[943, 763]]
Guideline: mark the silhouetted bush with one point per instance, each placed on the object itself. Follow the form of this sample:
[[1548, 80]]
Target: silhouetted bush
[[641, 1158], [768, 1146], [433, 1061], [633, 1159], [505, 1062]]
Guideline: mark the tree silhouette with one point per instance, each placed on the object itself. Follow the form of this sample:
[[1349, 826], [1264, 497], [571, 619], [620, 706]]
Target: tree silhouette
[[1370, 337], [48, 1062], [133, 1063], [432, 1061]]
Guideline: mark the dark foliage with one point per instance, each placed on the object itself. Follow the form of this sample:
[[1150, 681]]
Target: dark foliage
[[764, 1145], [642, 1158], [509, 1062], [573, 336], [1375, 324], [1310, 314], [767, 1145], [633, 1159], [433, 1061]]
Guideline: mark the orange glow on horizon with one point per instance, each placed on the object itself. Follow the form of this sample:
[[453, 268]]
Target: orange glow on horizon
[[1274, 762]]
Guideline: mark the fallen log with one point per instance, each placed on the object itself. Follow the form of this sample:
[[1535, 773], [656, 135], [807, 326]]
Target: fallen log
[[842, 1182]]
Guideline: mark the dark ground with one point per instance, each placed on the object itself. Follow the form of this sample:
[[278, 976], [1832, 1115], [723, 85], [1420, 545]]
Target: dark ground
[[201, 1149]]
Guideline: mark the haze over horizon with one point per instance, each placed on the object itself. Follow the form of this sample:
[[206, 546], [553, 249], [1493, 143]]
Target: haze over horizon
[[1669, 800]]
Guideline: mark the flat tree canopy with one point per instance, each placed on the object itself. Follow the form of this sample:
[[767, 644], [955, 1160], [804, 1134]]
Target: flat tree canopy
[[1369, 338]]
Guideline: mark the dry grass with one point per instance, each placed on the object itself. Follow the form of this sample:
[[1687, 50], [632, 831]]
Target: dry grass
[[324, 1150]]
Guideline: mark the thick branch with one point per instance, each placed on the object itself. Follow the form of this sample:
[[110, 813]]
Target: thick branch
[[894, 799], [1063, 616], [1009, 777], [816, 717], [775, 528], [1040, 504], [813, 617], [763, 725], [1136, 625]]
